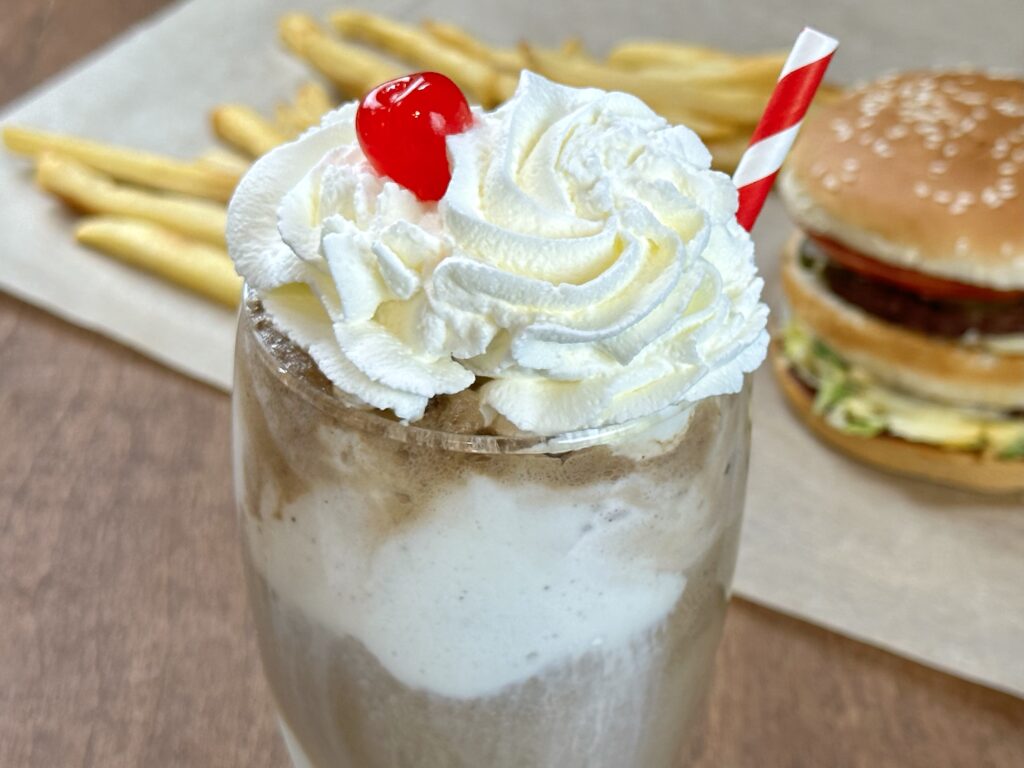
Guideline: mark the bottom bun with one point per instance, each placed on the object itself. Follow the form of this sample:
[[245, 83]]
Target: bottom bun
[[958, 469]]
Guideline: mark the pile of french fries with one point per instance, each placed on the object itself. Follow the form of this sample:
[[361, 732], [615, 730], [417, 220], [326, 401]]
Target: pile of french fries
[[158, 213], [167, 215]]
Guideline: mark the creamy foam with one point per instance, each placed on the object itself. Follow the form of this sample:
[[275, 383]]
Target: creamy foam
[[464, 615], [585, 263]]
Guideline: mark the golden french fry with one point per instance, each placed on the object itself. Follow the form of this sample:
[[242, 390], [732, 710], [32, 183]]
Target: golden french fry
[[573, 48], [311, 103], [708, 65], [202, 268], [639, 54], [753, 73], [245, 129], [224, 159], [659, 89], [478, 79], [289, 121], [92, 192], [510, 60], [354, 70], [708, 128], [506, 59], [144, 168]]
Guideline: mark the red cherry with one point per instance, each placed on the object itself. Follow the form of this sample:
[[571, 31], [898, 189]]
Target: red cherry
[[402, 125]]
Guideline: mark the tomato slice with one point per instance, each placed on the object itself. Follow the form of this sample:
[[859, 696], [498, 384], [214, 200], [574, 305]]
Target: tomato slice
[[919, 283]]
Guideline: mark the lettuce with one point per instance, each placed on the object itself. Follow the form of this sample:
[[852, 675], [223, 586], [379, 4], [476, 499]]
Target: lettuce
[[1013, 451], [852, 401]]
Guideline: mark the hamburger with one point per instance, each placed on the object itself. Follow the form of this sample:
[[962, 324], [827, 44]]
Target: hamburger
[[905, 280]]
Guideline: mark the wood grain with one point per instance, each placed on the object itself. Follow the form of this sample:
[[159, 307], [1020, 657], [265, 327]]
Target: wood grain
[[124, 637], [40, 37]]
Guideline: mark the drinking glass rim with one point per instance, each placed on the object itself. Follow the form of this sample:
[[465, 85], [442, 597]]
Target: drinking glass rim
[[372, 420]]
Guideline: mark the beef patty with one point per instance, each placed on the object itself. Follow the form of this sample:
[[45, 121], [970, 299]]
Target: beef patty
[[935, 317]]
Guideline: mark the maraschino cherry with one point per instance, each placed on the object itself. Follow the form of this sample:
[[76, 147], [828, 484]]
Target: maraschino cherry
[[402, 125]]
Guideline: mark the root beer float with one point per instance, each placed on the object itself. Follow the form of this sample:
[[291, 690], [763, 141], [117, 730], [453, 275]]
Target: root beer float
[[492, 429]]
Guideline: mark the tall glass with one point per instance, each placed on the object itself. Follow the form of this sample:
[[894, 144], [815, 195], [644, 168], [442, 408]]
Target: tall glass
[[436, 600]]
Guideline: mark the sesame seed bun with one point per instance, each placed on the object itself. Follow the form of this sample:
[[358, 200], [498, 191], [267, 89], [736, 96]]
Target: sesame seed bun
[[942, 369], [922, 170], [959, 469]]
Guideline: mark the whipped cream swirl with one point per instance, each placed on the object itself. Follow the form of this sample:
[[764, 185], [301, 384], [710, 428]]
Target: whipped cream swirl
[[585, 264]]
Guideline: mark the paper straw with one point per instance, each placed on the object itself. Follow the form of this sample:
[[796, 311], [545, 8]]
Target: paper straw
[[774, 135]]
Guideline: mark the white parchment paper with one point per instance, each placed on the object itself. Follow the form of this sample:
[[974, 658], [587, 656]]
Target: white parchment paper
[[928, 573]]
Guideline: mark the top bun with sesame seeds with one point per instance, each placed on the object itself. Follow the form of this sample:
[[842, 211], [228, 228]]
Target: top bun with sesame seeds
[[923, 171]]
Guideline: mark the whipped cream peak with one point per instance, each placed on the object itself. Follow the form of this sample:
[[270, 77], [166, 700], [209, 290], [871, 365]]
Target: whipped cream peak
[[584, 266]]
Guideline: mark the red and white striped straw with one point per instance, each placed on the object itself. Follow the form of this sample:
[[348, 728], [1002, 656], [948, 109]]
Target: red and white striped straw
[[774, 135]]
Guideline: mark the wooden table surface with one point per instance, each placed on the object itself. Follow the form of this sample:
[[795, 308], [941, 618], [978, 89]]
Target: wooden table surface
[[124, 635]]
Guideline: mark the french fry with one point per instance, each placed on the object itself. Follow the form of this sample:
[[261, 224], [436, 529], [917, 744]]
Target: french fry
[[754, 73], [311, 103], [478, 79], [573, 48], [708, 65], [224, 159], [92, 192], [708, 128], [288, 120], [509, 60], [201, 268], [640, 54], [245, 129], [660, 89], [352, 69], [144, 168]]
